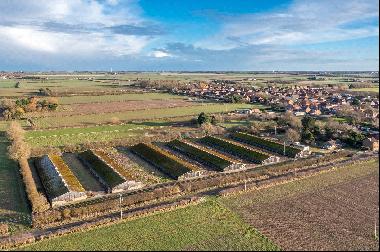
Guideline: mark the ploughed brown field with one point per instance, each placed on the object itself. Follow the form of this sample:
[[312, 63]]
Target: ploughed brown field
[[338, 215]]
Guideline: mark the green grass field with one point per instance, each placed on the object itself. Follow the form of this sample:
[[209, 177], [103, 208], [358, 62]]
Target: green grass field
[[207, 226], [103, 133], [13, 204], [115, 98], [148, 114], [372, 89], [234, 123]]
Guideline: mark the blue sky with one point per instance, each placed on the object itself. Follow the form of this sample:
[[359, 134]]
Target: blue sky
[[189, 35]]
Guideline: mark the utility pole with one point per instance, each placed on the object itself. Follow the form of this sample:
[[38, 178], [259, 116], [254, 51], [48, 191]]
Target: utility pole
[[275, 130], [376, 226], [121, 208], [284, 149]]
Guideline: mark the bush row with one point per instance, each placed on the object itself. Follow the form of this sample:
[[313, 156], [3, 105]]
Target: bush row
[[37, 201]]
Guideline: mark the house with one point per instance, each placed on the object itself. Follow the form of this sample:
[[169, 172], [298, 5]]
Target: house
[[371, 143], [299, 113], [243, 111], [370, 113], [330, 145]]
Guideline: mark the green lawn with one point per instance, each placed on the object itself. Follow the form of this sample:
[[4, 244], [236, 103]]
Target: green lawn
[[13, 204], [207, 226]]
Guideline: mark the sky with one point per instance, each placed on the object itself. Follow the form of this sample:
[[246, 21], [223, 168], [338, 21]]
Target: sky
[[189, 35]]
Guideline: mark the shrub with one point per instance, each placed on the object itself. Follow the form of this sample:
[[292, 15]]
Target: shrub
[[114, 120], [4, 229]]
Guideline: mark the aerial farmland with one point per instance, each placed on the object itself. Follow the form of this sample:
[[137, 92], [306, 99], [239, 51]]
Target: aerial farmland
[[110, 149], [189, 125]]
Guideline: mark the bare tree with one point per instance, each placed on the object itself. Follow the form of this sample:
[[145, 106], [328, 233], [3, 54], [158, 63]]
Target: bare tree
[[292, 135], [15, 131]]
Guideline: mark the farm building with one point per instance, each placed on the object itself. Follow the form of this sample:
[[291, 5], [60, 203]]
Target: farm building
[[212, 159], [167, 163], [114, 177], [60, 184], [238, 150], [272, 146]]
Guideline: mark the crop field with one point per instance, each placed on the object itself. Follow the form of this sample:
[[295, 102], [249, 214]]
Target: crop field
[[136, 171], [207, 226], [148, 114], [117, 98], [13, 203], [331, 211], [371, 89], [110, 107]]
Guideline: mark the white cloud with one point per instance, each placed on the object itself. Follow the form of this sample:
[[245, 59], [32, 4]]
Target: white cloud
[[303, 22], [113, 2], [160, 54], [77, 28]]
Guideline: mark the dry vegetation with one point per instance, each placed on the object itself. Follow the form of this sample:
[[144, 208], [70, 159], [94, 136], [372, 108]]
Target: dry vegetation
[[20, 151]]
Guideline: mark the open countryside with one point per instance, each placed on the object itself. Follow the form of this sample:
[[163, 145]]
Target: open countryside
[[189, 125]]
